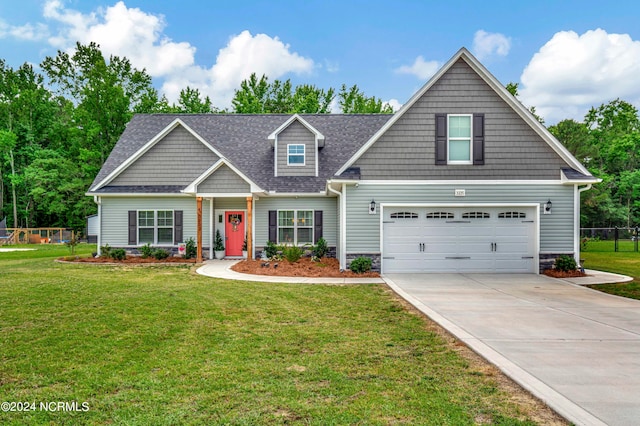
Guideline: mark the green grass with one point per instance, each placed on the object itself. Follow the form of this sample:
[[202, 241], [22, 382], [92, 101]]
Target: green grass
[[599, 255], [163, 345]]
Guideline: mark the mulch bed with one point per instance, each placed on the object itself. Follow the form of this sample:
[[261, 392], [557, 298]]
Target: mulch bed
[[129, 260], [327, 268], [564, 274]]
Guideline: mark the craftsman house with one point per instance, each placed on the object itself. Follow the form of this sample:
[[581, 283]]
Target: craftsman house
[[461, 179]]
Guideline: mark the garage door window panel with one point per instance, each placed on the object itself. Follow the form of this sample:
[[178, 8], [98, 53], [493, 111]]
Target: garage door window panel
[[440, 215], [404, 215]]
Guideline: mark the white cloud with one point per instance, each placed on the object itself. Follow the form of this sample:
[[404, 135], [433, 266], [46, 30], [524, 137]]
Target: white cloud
[[27, 32], [138, 36], [486, 44], [395, 104], [246, 54], [572, 73], [420, 68]]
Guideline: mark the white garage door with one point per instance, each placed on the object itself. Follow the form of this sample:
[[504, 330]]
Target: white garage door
[[472, 239]]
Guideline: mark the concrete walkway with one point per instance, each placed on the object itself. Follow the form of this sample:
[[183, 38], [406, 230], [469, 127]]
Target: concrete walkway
[[222, 269], [575, 348]]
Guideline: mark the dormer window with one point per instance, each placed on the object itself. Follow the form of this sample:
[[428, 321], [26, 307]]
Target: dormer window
[[295, 155]]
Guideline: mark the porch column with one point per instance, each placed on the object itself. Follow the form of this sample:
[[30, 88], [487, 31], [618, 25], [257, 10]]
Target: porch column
[[199, 229], [249, 228]]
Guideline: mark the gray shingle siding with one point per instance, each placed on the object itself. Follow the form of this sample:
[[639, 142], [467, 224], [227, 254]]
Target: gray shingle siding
[[224, 180], [296, 133], [177, 159], [513, 150]]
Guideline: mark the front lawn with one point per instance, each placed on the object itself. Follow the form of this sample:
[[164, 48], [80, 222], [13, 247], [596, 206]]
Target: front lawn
[[163, 345], [599, 255]]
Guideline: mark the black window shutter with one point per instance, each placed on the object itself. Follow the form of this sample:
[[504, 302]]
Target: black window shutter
[[133, 227], [441, 139], [273, 226], [478, 139], [177, 227], [317, 226]]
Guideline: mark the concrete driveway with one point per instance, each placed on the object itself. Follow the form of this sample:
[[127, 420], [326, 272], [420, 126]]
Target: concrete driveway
[[576, 349]]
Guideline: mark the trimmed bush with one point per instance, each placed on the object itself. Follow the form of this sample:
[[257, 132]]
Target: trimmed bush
[[191, 250], [293, 253], [566, 263], [321, 249], [271, 249], [105, 250], [146, 251], [360, 265], [160, 254], [118, 254]]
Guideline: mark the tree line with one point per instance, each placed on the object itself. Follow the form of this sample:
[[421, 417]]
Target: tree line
[[57, 128]]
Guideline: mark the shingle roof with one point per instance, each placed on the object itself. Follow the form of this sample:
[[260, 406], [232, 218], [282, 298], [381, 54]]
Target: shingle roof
[[573, 174], [242, 139]]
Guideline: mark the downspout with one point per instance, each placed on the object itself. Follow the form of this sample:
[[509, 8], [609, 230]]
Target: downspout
[[343, 220], [576, 209], [98, 201]]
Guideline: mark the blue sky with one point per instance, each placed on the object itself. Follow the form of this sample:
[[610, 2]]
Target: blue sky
[[566, 55]]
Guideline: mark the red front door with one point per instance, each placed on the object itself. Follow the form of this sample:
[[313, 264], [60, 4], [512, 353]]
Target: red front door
[[234, 233]]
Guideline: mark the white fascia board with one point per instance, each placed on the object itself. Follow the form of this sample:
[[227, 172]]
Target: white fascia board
[[537, 205], [146, 147], [511, 100], [302, 121], [225, 194], [294, 194], [457, 182], [191, 188]]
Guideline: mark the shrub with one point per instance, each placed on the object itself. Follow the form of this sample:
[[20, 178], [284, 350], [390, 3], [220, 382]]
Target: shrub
[[321, 249], [219, 244], [160, 254], [271, 249], [191, 250], [244, 244], [118, 254], [72, 243], [566, 263], [146, 251], [293, 253], [360, 265], [105, 250]]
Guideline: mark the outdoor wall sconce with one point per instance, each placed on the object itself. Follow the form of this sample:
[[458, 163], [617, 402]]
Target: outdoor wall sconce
[[547, 207], [372, 207]]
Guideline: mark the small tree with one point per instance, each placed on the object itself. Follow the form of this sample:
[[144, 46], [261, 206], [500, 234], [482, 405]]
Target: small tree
[[219, 244]]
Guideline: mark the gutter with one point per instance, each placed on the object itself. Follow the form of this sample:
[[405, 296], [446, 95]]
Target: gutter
[[576, 209]]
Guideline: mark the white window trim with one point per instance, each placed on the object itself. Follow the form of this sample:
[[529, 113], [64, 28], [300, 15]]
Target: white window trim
[[295, 226], [449, 138], [304, 155], [155, 226]]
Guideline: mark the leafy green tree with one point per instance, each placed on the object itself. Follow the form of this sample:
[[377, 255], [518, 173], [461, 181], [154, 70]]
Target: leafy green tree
[[576, 138], [106, 93], [353, 101]]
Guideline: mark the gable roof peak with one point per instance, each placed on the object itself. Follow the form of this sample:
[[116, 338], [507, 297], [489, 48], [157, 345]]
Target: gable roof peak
[[296, 117], [500, 90]]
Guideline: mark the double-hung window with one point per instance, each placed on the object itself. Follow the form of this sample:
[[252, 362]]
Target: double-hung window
[[146, 227], [155, 226], [295, 155], [459, 146], [165, 227], [295, 227]]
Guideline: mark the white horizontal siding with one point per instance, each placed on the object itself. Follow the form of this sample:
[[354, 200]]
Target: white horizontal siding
[[363, 229]]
